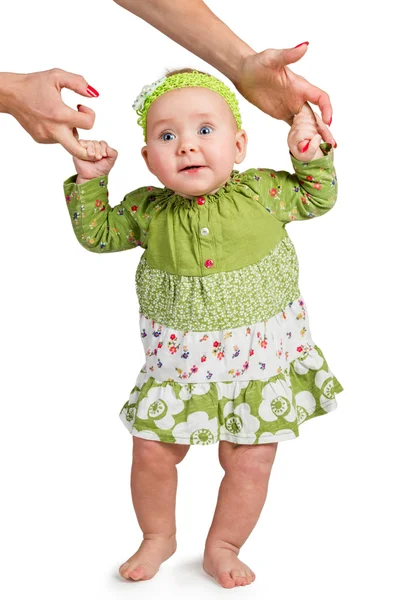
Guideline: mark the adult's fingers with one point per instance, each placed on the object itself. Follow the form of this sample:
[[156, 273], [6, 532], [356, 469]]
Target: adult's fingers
[[324, 131], [67, 139], [321, 99], [279, 59], [84, 118], [74, 82], [312, 93]]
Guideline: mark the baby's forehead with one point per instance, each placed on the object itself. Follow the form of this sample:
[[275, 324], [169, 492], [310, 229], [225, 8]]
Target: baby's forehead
[[190, 102]]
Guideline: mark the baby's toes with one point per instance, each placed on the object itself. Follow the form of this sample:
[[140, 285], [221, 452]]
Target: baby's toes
[[238, 577], [226, 580], [137, 573], [125, 570], [250, 576], [129, 572]]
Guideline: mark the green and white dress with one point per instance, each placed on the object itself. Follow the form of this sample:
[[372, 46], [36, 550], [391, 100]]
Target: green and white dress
[[225, 330]]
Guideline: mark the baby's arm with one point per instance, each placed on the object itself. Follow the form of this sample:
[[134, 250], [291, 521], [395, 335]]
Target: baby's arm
[[97, 226], [309, 192]]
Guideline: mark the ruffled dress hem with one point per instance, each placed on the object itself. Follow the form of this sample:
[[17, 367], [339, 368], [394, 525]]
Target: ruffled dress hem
[[241, 412], [236, 439]]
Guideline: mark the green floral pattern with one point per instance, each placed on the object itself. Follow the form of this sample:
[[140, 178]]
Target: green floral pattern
[[242, 412], [222, 300]]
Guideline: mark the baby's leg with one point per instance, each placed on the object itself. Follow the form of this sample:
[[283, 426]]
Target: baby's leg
[[153, 485], [241, 497]]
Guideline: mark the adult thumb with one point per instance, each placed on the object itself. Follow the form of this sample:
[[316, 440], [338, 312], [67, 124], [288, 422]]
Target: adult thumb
[[289, 56]]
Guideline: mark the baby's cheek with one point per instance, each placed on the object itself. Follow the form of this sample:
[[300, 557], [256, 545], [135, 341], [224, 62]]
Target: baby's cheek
[[157, 161], [165, 170]]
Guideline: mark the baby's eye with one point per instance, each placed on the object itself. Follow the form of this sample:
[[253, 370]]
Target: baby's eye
[[168, 136], [205, 130]]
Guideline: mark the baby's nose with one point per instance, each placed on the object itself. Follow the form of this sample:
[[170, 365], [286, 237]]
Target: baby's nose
[[188, 145]]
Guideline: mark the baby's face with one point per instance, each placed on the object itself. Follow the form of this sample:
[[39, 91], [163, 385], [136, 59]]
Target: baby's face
[[192, 127]]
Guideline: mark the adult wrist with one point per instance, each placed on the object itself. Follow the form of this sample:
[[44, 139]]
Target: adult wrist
[[231, 62], [7, 91]]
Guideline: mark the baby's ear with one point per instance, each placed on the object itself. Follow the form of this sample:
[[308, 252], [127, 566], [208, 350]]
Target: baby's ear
[[146, 158], [241, 146]]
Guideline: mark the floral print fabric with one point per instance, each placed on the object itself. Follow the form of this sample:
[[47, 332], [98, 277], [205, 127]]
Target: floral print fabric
[[257, 351], [221, 300], [241, 412]]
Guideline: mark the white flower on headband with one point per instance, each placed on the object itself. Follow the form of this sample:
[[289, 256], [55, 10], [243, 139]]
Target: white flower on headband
[[147, 90]]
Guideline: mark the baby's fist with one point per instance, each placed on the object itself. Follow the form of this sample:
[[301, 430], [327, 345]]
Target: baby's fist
[[100, 160], [303, 138]]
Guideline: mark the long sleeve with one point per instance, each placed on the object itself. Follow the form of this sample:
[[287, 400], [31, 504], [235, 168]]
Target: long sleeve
[[100, 228], [309, 192]]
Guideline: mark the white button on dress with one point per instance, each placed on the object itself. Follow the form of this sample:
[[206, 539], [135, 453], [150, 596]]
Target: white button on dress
[[204, 231]]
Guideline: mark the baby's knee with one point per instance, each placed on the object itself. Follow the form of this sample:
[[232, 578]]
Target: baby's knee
[[248, 461], [156, 455]]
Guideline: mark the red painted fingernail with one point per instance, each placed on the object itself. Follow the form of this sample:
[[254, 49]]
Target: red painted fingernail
[[90, 90], [298, 45], [78, 106], [306, 147], [335, 145]]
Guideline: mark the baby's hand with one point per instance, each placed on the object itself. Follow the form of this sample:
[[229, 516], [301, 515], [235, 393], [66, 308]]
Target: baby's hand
[[99, 162], [303, 138]]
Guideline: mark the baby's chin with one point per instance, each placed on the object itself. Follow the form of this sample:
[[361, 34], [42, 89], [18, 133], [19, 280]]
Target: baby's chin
[[194, 189], [195, 193]]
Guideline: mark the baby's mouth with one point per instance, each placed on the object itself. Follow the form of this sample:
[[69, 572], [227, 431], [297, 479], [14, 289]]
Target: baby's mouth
[[193, 168]]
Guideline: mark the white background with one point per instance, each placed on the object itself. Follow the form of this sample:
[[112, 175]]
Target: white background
[[70, 340]]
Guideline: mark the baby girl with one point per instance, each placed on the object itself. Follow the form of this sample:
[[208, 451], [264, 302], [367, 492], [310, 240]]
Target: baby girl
[[226, 334]]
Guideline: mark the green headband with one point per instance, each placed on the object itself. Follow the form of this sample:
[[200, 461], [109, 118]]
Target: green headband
[[151, 92]]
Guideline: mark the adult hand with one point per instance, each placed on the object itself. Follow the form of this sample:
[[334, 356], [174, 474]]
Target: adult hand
[[34, 99], [265, 80]]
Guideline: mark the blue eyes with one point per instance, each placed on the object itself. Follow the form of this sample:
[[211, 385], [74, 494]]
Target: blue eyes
[[168, 136]]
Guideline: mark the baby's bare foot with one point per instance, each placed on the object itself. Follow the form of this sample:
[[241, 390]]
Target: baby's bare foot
[[145, 563], [223, 564]]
